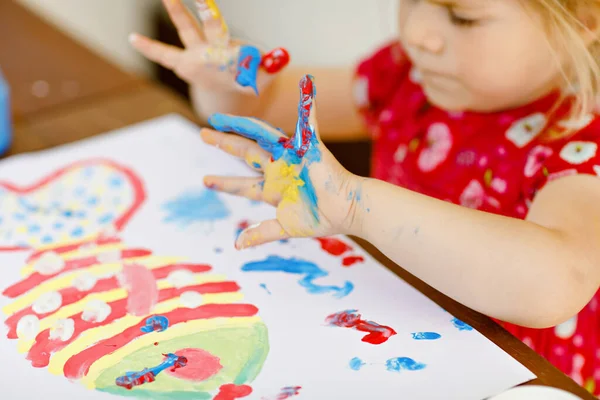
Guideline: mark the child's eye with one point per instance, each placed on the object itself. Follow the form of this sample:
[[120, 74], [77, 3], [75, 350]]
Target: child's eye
[[460, 21]]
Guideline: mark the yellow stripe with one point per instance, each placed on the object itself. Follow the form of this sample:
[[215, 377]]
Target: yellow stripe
[[91, 336], [70, 255], [110, 296], [173, 332], [66, 280]]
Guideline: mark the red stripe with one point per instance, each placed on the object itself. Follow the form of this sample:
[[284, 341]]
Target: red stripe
[[78, 365], [71, 295], [36, 278], [40, 352]]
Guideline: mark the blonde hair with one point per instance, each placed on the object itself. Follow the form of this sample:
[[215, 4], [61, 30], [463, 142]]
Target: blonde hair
[[567, 35]]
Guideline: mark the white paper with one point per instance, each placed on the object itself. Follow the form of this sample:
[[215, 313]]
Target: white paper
[[304, 351]]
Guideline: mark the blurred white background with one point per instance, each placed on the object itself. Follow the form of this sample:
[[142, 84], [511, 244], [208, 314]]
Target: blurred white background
[[317, 32]]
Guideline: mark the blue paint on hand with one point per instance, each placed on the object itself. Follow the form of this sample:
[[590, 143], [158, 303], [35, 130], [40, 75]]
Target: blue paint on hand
[[426, 336], [251, 129], [247, 67], [403, 363], [156, 323], [200, 206], [309, 196], [294, 266], [147, 375], [461, 325], [356, 363]]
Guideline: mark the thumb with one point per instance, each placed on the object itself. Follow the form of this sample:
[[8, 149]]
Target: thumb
[[264, 232]]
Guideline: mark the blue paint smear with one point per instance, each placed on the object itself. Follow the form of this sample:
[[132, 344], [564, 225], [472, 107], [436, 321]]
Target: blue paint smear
[[309, 196], [426, 336], [130, 378], [256, 165], [403, 363], [156, 323], [248, 64], [264, 286], [294, 266], [461, 325], [106, 218], [356, 363], [250, 129], [202, 206]]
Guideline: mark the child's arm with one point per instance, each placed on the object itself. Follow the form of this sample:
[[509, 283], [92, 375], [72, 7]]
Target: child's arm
[[535, 273], [205, 64]]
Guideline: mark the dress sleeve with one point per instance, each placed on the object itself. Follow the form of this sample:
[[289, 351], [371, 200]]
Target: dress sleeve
[[579, 154], [377, 78]]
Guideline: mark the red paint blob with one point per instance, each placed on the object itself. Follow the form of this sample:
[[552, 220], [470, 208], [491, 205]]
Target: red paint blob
[[351, 260], [156, 343], [333, 246], [142, 292], [231, 392], [275, 60], [351, 319], [201, 365]]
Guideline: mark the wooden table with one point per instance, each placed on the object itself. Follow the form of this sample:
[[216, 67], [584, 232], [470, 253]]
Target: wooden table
[[95, 96]]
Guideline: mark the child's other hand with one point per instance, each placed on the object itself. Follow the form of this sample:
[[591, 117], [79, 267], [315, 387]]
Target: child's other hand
[[313, 193], [210, 60]]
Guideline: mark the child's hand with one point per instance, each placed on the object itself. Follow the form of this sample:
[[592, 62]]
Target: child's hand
[[313, 193], [210, 60]]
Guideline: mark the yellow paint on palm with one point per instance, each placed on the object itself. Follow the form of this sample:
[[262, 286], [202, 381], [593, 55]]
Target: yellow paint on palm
[[283, 179]]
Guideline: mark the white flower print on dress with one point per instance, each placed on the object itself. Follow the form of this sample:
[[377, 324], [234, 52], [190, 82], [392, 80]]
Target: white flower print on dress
[[525, 130], [360, 91], [566, 329], [400, 154], [415, 75], [578, 152], [439, 144], [537, 156], [473, 195], [499, 185]]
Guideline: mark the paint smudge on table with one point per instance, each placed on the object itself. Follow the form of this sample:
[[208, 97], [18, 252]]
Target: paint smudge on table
[[308, 270], [377, 334], [196, 206], [403, 364], [426, 336]]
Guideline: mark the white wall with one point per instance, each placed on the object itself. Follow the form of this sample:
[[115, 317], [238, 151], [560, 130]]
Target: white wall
[[317, 32]]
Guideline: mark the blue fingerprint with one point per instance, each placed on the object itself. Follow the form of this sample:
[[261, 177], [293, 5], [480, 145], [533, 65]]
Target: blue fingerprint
[[35, 228], [156, 323], [106, 218], [80, 191], [19, 216], [115, 181], [403, 363], [356, 363], [67, 213], [58, 225], [47, 239], [426, 336], [77, 232], [461, 325], [199, 206], [309, 272], [92, 201], [80, 214]]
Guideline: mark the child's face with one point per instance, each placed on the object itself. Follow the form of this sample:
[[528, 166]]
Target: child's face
[[478, 55]]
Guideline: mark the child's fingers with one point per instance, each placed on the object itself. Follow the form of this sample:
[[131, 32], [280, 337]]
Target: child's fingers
[[187, 28], [213, 23], [166, 55], [265, 232], [251, 188], [267, 137], [237, 146]]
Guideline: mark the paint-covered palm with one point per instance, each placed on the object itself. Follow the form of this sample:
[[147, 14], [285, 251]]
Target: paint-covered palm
[[210, 59], [309, 187]]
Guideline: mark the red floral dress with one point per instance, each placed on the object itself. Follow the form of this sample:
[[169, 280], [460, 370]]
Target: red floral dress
[[494, 162]]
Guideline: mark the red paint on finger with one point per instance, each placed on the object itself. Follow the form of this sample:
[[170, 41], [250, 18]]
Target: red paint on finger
[[275, 60]]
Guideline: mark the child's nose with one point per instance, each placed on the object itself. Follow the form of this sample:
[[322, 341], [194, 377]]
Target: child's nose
[[419, 30]]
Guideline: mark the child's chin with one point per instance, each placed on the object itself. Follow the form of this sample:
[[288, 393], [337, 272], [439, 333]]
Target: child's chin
[[444, 101]]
